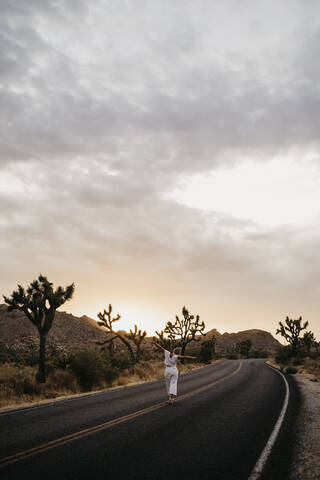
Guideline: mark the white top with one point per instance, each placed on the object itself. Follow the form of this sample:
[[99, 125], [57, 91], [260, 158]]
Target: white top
[[170, 361]]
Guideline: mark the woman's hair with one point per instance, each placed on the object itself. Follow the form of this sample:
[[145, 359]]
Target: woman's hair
[[176, 350]]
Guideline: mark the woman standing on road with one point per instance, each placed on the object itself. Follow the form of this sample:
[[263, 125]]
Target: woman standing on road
[[171, 372]]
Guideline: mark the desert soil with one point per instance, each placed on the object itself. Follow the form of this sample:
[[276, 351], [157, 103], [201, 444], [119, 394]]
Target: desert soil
[[306, 463]]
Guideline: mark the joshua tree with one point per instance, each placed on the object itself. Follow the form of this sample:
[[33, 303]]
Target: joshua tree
[[109, 343], [135, 336], [185, 329], [244, 347], [39, 303], [308, 340], [291, 332], [166, 342]]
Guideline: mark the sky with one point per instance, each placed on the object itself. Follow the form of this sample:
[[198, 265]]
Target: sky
[[162, 154]]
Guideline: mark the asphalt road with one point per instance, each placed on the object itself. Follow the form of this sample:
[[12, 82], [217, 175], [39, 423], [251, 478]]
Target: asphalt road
[[216, 430]]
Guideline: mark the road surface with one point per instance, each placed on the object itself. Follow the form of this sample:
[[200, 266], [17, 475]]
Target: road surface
[[217, 429]]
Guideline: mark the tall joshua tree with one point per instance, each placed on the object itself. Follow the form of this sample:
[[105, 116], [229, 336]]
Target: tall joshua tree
[[185, 329], [136, 336], [39, 302], [291, 331]]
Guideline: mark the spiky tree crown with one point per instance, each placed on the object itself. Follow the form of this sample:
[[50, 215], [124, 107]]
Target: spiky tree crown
[[106, 319], [136, 335], [292, 329], [39, 294], [186, 328], [39, 301]]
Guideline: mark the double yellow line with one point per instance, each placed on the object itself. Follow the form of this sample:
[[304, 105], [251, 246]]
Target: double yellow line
[[103, 426]]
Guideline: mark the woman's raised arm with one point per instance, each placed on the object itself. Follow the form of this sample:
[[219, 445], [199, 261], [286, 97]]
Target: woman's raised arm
[[158, 346], [188, 357]]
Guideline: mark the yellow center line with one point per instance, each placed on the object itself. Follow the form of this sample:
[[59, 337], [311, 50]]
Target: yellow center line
[[103, 426]]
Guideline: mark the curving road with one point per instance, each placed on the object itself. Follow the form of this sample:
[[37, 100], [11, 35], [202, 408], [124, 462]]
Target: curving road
[[216, 430]]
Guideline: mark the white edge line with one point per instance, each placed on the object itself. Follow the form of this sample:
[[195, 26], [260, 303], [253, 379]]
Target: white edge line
[[259, 466]]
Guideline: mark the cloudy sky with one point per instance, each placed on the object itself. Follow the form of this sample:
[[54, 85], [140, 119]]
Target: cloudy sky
[[161, 154]]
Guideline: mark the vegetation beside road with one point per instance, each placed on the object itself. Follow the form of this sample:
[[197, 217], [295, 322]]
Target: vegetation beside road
[[36, 371], [89, 371], [302, 354]]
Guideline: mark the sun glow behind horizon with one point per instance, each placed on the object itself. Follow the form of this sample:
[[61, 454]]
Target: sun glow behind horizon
[[142, 316], [282, 191]]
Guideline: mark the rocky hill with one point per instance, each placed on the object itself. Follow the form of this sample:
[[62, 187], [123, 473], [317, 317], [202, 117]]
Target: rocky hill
[[71, 330], [67, 329], [261, 340]]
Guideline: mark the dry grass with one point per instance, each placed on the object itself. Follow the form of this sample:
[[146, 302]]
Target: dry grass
[[311, 366], [18, 384], [308, 365]]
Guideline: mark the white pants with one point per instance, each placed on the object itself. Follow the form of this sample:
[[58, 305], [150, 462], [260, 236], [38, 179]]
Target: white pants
[[171, 378]]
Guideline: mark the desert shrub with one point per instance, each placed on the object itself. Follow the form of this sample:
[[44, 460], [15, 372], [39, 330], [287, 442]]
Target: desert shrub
[[206, 351], [301, 355], [146, 355], [259, 354], [91, 368], [314, 355], [232, 356], [3, 354], [23, 382], [121, 361], [59, 361], [30, 387], [23, 353], [8, 373], [298, 361], [291, 370], [284, 355], [63, 380]]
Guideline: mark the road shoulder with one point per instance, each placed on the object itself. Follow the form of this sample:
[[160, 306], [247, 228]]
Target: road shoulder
[[306, 459]]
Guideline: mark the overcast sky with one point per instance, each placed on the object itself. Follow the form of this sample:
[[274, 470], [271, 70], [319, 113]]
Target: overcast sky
[[161, 154]]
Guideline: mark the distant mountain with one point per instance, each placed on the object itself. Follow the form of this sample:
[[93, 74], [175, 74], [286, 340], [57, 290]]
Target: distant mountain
[[261, 340], [68, 329]]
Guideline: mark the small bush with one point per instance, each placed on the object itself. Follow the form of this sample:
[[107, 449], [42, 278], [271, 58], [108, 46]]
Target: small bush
[[206, 351], [92, 368], [284, 355], [259, 354], [232, 356], [23, 353], [3, 354], [121, 362], [63, 380], [291, 370]]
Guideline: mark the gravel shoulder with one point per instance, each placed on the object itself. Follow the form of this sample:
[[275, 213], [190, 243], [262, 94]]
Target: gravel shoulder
[[306, 458]]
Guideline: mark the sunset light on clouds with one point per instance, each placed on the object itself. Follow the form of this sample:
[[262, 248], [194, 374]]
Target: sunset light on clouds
[[274, 193], [161, 154]]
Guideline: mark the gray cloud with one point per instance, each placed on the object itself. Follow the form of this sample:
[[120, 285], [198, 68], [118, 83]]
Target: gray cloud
[[105, 108]]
